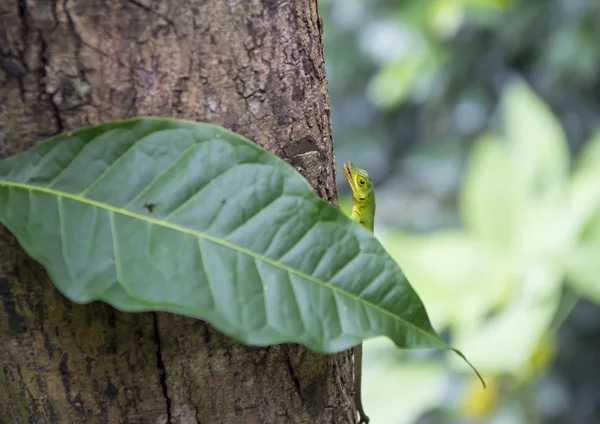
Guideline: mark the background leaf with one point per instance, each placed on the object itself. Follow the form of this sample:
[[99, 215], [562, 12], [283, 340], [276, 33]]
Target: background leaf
[[582, 271], [540, 159], [453, 288], [414, 385], [155, 214], [585, 196], [486, 195]]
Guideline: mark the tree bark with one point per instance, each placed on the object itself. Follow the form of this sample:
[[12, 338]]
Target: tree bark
[[253, 66]]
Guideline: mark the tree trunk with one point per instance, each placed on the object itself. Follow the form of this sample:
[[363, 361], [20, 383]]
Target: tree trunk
[[253, 66]]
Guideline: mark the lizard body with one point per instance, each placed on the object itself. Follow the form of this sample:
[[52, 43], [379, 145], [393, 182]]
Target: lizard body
[[363, 212]]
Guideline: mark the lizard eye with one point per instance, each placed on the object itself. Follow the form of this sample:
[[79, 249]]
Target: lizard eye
[[361, 182]]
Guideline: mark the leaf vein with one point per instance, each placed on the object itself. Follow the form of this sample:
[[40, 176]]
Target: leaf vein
[[66, 166], [309, 229], [162, 173], [205, 270], [249, 219], [264, 291], [42, 161], [113, 233], [297, 301], [197, 193], [103, 174], [63, 235], [344, 266]]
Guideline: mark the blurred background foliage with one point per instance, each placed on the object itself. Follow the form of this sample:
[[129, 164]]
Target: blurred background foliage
[[478, 122]]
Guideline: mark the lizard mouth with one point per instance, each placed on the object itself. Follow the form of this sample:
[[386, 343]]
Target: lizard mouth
[[348, 173]]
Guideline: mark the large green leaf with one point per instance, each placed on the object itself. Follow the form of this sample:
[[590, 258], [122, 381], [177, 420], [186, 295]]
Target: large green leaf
[[468, 280], [540, 169], [487, 193], [585, 198], [155, 214], [583, 271], [397, 390]]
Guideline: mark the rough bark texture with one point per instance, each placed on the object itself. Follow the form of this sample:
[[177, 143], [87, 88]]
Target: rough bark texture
[[254, 66]]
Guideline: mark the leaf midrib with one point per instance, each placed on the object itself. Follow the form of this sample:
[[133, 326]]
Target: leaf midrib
[[199, 234]]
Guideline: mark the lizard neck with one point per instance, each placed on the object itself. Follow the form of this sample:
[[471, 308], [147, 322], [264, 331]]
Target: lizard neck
[[363, 211]]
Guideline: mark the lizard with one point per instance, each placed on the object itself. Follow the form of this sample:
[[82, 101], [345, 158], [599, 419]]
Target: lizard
[[363, 212]]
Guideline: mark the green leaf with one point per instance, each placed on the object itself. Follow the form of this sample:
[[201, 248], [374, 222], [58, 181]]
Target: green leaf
[[583, 271], [486, 195], [446, 17], [505, 342], [389, 381], [468, 280], [537, 141], [582, 268], [157, 214], [396, 81], [585, 200], [540, 166]]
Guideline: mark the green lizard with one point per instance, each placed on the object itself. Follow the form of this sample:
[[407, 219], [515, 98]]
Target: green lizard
[[363, 212]]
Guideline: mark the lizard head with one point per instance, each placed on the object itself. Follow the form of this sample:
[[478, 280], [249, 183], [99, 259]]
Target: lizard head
[[360, 182]]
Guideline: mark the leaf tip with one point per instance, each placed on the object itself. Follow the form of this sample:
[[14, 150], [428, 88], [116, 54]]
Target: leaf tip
[[459, 353]]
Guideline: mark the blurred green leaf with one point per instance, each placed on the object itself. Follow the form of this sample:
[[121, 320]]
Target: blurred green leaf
[[498, 283], [345, 204], [540, 165], [585, 186], [583, 276], [396, 81], [446, 16], [505, 342], [486, 198], [537, 141], [490, 3], [458, 277], [413, 387]]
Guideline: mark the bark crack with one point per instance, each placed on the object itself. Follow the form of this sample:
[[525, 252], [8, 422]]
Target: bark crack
[[152, 11], [191, 401], [294, 377], [43, 80], [21, 64], [161, 367], [78, 43]]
